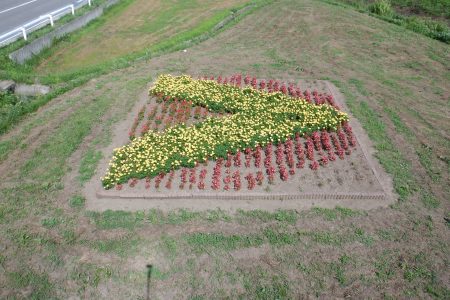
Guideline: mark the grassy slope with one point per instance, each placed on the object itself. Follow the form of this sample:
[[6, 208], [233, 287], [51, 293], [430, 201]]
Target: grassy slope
[[431, 8], [430, 18], [119, 54], [396, 85], [138, 27]]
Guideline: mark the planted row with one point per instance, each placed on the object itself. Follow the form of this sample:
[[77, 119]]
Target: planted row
[[258, 119]]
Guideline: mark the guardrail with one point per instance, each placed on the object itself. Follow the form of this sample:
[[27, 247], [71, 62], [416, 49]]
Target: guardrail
[[40, 22]]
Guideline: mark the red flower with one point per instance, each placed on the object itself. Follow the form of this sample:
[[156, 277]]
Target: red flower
[[248, 157], [247, 79], [262, 85], [309, 149], [259, 177], [158, 179], [201, 185], [307, 96], [229, 160], [251, 181], [331, 156], [254, 83], [325, 140], [238, 80], [132, 182], [289, 150], [342, 139], [192, 176], [349, 131], [283, 173], [314, 165], [237, 180], [276, 86], [299, 152], [271, 174], [317, 141], [237, 159], [202, 176], [257, 155], [279, 154], [216, 174], [169, 182]]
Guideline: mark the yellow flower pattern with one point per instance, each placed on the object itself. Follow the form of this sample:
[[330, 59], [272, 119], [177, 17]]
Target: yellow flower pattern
[[257, 118]]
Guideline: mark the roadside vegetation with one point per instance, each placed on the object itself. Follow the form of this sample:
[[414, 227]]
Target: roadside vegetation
[[428, 17], [151, 38], [395, 83]]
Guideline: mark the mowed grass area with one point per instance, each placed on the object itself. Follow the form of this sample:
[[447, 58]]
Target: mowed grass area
[[396, 84], [154, 28], [134, 26]]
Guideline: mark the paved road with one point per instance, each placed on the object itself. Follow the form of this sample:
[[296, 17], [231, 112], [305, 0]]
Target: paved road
[[14, 13]]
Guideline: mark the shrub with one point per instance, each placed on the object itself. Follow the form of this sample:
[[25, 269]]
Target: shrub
[[7, 99], [382, 8]]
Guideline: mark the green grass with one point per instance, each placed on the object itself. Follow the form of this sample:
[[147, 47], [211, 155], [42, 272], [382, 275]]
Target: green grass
[[42, 288], [388, 155], [201, 242], [288, 216], [425, 154], [385, 267], [117, 219], [434, 8], [429, 200], [90, 275], [50, 222], [65, 141], [129, 220], [64, 82], [275, 288], [122, 247], [316, 271], [77, 201], [336, 213], [89, 164], [278, 237], [429, 26]]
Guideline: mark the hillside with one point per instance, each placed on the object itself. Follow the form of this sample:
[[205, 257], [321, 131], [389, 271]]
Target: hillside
[[395, 83]]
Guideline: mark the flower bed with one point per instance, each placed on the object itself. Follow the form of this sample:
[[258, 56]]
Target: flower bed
[[257, 118]]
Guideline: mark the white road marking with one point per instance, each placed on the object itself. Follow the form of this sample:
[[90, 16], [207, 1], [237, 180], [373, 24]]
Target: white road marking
[[20, 5]]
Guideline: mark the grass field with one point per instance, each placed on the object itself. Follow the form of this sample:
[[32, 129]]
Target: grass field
[[109, 55], [396, 85], [130, 27]]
